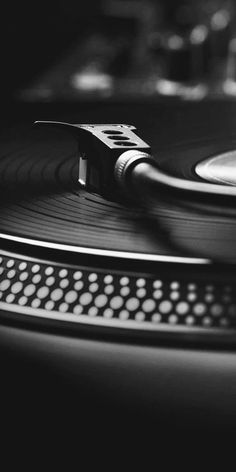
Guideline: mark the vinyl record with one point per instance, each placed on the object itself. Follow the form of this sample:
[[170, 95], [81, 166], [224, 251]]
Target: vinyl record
[[43, 205]]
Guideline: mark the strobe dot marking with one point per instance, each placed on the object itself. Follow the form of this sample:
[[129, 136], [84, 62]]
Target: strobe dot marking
[[50, 281], [148, 305], [100, 301], [29, 290], [36, 279], [71, 296], [92, 277], [165, 307], [49, 305], [85, 298], [42, 292], [4, 285], [124, 291], [56, 294], [22, 300], [10, 263], [108, 279], [11, 274], [16, 287], [24, 276], [77, 275], [63, 273], [132, 304], [124, 281], [64, 283], [35, 268], [116, 302], [22, 266], [109, 289], [49, 271]]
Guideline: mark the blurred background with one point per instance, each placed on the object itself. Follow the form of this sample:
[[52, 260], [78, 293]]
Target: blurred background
[[118, 50]]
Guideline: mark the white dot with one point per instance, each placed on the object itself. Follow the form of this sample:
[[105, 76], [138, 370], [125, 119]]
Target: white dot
[[124, 281], [10, 263], [174, 285], [124, 291], [140, 316], [207, 321], [77, 275], [35, 268], [209, 297], [108, 279], [191, 297], [93, 311], [1, 270], [22, 266], [116, 302], [63, 273], [173, 319], [49, 305], [224, 322], [100, 300], [182, 308], [85, 298], [49, 271], [35, 303], [132, 304], [226, 298], [22, 300], [5, 284], [93, 288], [63, 307], [148, 305], [64, 283], [157, 284], [190, 320], [199, 309], [56, 294], [50, 281], [16, 287], [209, 288], [78, 285], [36, 279], [108, 313], [174, 296], [42, 292], [77, 310], [124, 315], [109, 289], [71, 296], [29, 290], [92, 277], [10, 298], [165, 307], [141, 292], [156, 318], [157, 294], [192, 287], [216, 309], [11, 274], [140, 282], [23, 276]]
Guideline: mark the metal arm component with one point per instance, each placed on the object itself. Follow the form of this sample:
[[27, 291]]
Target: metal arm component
[[112, 156], [99, 147]]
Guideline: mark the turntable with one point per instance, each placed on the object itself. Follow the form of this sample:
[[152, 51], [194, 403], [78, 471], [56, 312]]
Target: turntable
[[117, 283]]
